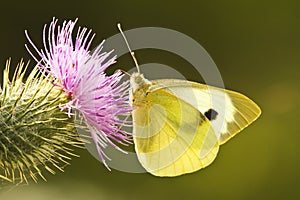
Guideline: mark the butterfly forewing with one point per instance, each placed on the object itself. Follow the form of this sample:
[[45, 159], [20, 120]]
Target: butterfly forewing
[[228, 112]]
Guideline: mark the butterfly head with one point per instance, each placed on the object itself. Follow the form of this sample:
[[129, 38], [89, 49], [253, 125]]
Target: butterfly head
[[138, 80]]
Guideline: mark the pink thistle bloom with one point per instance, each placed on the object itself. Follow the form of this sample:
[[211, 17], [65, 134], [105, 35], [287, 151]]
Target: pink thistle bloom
[[100, 99]]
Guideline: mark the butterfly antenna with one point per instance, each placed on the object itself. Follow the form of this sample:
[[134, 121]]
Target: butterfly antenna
[[131, 52]]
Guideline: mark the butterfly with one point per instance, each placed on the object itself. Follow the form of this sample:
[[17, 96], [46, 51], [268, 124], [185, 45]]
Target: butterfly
[[179, 125]]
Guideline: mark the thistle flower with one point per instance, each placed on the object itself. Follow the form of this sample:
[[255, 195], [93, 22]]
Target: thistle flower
[[102, 100], [34, 133]]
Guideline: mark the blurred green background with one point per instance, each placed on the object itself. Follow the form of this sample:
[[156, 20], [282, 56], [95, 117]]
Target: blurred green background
[[255, 44]]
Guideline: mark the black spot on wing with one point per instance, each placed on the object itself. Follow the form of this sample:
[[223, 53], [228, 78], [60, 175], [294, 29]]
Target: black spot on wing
[[211, 114]]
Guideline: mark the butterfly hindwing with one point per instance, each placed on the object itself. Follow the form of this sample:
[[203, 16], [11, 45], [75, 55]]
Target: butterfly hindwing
[[171, 136]]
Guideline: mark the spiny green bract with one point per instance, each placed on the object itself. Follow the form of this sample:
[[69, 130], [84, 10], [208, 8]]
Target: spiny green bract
[[35, 134]]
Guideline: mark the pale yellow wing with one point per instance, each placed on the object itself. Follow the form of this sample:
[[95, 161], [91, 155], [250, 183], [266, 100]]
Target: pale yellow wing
[[171, 136], [229, 112]]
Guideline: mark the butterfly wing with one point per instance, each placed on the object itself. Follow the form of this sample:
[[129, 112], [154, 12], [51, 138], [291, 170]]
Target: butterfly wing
[[228, 112], [171, 136]]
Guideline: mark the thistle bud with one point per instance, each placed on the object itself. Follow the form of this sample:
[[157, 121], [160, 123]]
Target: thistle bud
[[35, 135]]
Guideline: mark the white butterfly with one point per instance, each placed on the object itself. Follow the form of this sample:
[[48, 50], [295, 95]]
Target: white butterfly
[[179, 125]]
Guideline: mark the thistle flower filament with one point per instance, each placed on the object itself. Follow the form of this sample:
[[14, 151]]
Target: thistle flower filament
[[102, 100]]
